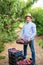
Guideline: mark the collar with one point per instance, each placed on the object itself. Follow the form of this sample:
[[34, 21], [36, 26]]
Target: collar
[[28, 22]]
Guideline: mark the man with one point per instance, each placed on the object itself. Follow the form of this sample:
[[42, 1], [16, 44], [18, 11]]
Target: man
[[29, 32]]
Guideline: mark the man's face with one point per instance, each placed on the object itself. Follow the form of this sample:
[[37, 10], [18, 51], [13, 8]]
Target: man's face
[[28, 19]]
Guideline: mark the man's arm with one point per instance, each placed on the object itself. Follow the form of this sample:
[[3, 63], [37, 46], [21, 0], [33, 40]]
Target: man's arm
[[21, 33], [33, 33]]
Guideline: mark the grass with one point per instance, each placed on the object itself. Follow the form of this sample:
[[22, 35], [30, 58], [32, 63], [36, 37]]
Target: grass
[[40, 42], [2, 57], [1, 46]]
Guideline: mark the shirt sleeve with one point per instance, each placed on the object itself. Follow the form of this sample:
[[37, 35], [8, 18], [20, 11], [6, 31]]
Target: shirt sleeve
[[33, 32], [21, 33]]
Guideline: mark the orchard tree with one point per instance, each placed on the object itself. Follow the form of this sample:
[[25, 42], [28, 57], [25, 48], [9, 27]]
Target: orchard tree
[[12, 11]]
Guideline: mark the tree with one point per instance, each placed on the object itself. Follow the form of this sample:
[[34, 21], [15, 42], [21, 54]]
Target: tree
[[37, 13], [11, 11]]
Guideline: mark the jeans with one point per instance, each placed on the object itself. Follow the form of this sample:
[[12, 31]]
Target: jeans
[[31, 44]]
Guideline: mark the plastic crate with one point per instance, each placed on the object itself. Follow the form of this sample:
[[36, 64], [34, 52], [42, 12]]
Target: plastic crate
[[25, 62], [14, 52], [15, 59], [11, 63], [14, 56], [21, 41]]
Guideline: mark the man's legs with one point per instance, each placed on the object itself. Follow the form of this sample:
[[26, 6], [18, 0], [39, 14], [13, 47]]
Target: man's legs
[[25, 51], [31, 44]]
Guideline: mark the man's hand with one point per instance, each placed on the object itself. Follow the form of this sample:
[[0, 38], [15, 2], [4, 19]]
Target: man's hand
[[29, 39], [19, 37]]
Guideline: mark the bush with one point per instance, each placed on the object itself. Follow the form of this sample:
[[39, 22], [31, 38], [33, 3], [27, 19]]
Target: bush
[[2, 57], [7, 29], [37, 14], [10, 11], [40, 42], [1, 47]]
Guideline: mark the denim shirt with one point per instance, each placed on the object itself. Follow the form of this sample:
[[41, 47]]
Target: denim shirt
[[28, 31]]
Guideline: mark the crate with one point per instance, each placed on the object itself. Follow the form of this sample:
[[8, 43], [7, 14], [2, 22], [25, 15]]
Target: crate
[[14, 52], [11, 63], [14, 56], [21, 41], [25, 62], [14, 60]]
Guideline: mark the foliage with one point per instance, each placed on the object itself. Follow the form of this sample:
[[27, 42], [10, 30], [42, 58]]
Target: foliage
[[2, 57], [7, 29], [11, 11], [40, 42], [1, 47], [37, 14]]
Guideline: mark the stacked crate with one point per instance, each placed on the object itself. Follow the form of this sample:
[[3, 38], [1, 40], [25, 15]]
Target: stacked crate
[[14, 56]]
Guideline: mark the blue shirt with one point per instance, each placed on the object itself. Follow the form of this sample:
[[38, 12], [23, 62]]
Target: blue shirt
[[28, 31]]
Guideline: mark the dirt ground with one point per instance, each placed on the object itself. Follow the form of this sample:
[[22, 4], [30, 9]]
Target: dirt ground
[[38, 50]]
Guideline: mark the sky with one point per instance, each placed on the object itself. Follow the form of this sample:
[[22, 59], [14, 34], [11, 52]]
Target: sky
[[39, 3]]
